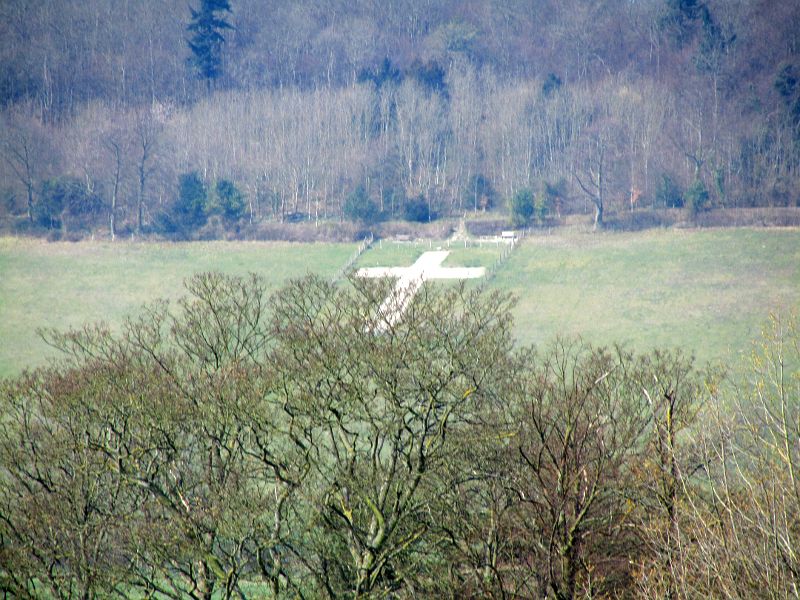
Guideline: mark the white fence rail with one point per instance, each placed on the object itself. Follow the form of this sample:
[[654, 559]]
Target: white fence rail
[[479, 242], [508, 244]]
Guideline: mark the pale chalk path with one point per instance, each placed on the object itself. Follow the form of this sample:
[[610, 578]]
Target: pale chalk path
[[410, 280]]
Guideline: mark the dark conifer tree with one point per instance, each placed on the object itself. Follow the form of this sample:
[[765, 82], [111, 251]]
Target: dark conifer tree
[[206, 40]]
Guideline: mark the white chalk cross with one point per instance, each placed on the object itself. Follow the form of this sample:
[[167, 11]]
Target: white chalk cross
[[410, 280]]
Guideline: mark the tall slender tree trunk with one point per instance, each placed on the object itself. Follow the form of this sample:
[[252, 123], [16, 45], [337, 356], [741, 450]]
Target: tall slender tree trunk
[[29, 190], [598, 214], [140, 199], [115, 191]]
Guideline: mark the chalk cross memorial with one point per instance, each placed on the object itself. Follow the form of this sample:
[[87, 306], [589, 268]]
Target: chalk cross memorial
[[410, 280]]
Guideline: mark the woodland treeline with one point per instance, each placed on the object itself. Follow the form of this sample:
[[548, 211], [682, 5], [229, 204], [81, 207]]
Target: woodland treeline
[[240, 445], [406, 109]]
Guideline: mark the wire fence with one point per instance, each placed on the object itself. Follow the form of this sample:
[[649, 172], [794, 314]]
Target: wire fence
[[511, 245], [507, 242], [431, 244], [362, 247]]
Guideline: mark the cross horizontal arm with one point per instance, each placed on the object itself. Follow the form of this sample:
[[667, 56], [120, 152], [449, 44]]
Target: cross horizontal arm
[[409, 280], [378, 272], [454, 273]]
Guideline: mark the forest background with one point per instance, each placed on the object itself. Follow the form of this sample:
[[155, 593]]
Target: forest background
[[218, 119]]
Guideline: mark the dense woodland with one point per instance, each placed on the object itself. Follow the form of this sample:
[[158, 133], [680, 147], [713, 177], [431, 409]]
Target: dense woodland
[[210, 119], [244, 446]]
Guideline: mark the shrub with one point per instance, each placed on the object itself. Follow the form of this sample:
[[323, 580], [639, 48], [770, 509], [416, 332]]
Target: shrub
[[430, 75], [214, 229], [66, 199], [84, 210], [393, 199], [417, 210], [668, 194], [480, 193], [359, 206], [786, 80], [697, 198], [165, 223], [522, 207], [384, 73], [47, 207], [547, 199], [541, 207], [226, 201], [8, 205], [552, 83], [22, 226], [190, 206], [188, 212]]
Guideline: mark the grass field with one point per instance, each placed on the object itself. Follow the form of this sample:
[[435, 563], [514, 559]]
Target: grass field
[[708, 291], [62, 284]]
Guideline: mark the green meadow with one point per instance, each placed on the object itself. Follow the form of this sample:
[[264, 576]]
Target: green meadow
[[61, 285], [707, 291]]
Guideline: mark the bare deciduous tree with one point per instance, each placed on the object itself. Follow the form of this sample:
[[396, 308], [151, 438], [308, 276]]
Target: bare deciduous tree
[[26, 153]]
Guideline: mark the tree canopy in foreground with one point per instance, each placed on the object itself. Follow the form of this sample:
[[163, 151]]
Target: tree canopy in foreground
[[241, 445]]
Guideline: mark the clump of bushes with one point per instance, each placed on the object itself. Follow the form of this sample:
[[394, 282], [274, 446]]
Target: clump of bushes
[[196, 205], [697, 198], [67, 202], [522, 207], [529, 206], [668, 193], [480, 193], [358, 206], [418, 210]]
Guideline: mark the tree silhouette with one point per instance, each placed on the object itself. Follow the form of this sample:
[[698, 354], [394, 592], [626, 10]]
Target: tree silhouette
[[206, 41]]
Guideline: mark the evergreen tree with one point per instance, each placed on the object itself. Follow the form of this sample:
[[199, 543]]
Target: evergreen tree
[[385, 73], [522, 207], [359, 207], [418, 210], [227, 200], [190, 206], [206, 41]]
